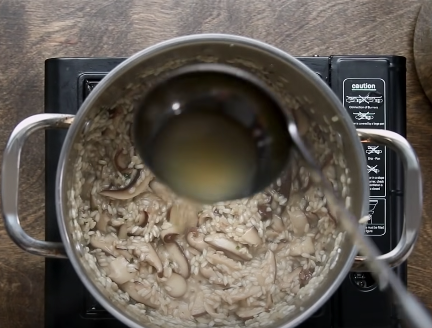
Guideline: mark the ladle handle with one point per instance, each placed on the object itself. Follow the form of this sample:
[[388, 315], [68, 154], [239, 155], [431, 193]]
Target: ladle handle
[[10, 183], [413, 195]]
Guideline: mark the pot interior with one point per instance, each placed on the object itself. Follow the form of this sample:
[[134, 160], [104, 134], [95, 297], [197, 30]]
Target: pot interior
[[98, 157]]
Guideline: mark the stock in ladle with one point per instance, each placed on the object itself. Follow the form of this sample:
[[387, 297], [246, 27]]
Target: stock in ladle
[[214, 132]]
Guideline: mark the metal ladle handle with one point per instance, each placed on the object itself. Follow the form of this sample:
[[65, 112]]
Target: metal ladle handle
[[413, 196], [411, 310]]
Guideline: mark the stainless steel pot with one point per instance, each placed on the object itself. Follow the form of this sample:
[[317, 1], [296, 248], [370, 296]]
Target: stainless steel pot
[[289, 79]]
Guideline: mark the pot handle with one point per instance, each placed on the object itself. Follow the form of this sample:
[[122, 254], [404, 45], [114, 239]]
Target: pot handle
[[10, 182], [413, 193]]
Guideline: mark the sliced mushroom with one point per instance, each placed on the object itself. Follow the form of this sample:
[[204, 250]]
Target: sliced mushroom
[[272, 234], [142, 219], [146, 253], [176, 254], [265, 211], [136, 292], [298, 220], [183, 311], [123, 231], [269, 301], [277, 224], [196, 239], [247, 313], [298, 247], [105, 243], [194, 252], [217, 258], [136, 186], [212, 312], [176, 285], [305, 276], [220, 241], [208, 272], [183, 215], [119, 271], [161, 190], [198, 308], [251, 237], [102, 224], [121, 161], [169, 236]]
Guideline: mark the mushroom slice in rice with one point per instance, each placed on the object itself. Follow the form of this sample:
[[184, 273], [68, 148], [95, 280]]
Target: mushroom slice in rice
[[176, 255], [251, 237], [119, 271], [146, 253], [198, 308], [107, 245], [277, 224], [271, 234], [175, 285], [208, 272], [137, 185], [161, 191], [126, 229], [196, 239], [123, 231], [210, 310], [183, 216], [247, 313], [305, 246], [102, 223], [121, 161], [298, 221], [220, 241], [220, 260], [140, 293]]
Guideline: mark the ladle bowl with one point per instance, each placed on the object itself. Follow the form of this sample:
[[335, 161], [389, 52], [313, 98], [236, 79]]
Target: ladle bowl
[[212, 106]]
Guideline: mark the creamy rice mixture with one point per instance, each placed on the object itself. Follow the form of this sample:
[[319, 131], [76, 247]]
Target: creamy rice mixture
[[232, 264]]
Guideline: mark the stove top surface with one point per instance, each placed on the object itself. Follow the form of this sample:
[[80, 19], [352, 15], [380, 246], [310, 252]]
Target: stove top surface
[[357, 303]]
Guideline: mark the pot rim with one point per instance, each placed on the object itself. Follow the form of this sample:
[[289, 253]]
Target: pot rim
[[132, 61]]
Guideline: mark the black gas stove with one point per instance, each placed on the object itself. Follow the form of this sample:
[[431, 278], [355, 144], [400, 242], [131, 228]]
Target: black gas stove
[[372, 89]]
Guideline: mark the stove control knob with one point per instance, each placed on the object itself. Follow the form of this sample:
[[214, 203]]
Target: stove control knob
[[363, 281]]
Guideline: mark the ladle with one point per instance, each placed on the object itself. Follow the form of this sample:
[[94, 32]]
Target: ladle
[[228, 92], [239, 132]]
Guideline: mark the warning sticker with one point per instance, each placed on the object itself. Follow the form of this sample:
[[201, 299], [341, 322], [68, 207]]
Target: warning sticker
[[376, 225], [365, 101]]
